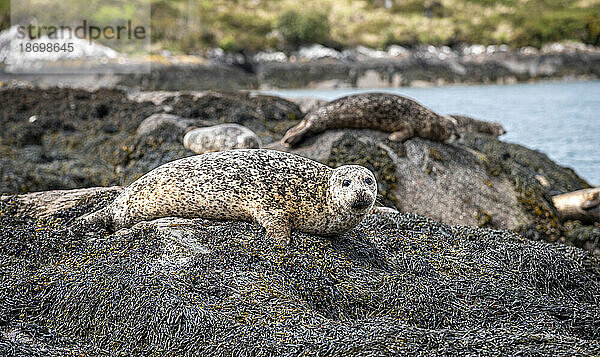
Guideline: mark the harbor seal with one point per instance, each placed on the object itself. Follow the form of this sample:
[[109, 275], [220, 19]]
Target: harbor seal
[[220, 137], [278, 190], [400, 116]]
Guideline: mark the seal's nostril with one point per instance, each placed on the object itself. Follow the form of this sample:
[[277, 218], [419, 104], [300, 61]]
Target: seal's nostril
[[361, 203]]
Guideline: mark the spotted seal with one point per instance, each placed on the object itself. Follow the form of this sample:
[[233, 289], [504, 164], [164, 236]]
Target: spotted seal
[[220, 137], [402, 117], [278, 190]]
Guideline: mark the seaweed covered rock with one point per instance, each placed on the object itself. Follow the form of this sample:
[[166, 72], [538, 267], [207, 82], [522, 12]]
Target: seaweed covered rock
[[398, 283], [263, 114], [518, 160], [583, 236], [61, 138]]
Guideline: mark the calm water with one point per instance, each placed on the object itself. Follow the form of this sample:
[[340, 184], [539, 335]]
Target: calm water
[[561, 119]]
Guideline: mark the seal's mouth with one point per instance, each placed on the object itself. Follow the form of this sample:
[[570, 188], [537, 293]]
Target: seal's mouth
[[360, 204]]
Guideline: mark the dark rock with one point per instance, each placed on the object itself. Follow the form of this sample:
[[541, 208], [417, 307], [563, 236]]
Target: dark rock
[[168, 127], [69, 146], [101, 110], [110, 128], [32, 132]]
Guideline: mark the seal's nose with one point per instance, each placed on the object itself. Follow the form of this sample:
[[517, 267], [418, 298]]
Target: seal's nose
[[360, 204], [362, 201]]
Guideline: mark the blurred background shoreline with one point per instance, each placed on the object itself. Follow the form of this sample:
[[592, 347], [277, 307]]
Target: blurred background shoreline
[[197, 26], [201, 44]]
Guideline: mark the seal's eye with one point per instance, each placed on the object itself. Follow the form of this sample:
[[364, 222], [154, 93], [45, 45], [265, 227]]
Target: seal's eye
[[346, 183], [368, 181]]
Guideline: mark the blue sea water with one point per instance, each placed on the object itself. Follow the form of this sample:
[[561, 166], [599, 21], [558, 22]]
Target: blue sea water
[[560, 119]]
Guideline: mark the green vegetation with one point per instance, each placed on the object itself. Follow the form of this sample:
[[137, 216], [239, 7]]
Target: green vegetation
[[300, 26], [4, 14], [188, 26]]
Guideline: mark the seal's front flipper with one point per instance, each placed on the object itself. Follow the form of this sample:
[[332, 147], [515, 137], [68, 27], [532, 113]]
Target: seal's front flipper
[[277, 225], [382, 210], [401, 135]]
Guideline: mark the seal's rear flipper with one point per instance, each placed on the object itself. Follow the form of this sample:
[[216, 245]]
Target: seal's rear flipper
[[296, 135], [95, 220]]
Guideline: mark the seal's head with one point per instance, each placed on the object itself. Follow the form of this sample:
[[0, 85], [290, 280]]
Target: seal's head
[[353, 188], [496, 129]]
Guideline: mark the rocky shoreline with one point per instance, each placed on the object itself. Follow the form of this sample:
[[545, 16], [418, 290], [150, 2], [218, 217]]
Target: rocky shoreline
[[71, 138], [321, 67]]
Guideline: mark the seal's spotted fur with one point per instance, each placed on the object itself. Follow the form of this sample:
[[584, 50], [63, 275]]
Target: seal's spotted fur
[[400, 116], [278, 190]]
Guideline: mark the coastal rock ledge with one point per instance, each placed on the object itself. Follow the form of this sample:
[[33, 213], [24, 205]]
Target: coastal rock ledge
[[398, 283], [321, 67]]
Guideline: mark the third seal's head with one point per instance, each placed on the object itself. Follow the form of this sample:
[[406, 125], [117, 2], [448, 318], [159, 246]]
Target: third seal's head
[[353, 188]]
